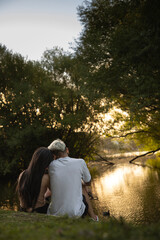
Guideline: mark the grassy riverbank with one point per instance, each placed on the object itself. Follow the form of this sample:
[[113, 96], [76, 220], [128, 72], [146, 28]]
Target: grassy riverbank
[[154, 162], [17, 226]]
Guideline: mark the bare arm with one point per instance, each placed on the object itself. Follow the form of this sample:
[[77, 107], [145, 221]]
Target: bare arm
[[48, 191]]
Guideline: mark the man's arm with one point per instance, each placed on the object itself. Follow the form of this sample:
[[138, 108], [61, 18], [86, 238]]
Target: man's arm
[[86, 176]]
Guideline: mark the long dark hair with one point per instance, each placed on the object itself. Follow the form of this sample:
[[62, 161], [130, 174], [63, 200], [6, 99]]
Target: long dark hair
[[29, 184]]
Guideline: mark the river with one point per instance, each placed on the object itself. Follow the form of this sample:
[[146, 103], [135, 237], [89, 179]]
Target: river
[[128, 191]]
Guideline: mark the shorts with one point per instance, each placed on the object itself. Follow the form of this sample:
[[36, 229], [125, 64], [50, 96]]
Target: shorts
[[86, 207], [42, 209]]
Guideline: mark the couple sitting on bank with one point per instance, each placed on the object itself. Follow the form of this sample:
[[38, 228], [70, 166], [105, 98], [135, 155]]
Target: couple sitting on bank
[[66, 183]]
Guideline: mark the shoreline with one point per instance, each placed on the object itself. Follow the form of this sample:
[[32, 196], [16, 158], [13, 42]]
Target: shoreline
[[119, 158]]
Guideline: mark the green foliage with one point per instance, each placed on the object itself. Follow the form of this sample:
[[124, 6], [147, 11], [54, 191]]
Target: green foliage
[[40, 102], [120, 44], [155, 163]]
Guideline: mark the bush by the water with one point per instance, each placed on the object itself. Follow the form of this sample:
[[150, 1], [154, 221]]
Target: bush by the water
[[155, 163]]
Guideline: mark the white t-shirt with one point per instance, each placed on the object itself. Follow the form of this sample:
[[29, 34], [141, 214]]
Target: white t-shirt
[[66, 186]]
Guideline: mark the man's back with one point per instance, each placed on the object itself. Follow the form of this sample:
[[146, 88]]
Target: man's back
[[66, 186]]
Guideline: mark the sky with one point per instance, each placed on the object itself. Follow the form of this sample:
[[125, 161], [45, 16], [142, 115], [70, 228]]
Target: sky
[[29, 27]]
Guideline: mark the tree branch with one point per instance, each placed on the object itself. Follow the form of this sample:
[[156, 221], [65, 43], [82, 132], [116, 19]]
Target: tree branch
[[153, 151], [104, 159], [130, 133]]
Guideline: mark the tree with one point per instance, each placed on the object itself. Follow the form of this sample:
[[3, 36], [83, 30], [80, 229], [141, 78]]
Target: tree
[[76, 112], [39, 104], [120, 44], [22, 128]]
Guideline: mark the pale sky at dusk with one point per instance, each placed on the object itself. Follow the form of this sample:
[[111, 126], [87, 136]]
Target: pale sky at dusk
[[29, 27]]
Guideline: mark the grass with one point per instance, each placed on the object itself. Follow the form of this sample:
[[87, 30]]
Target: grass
[[21, 226]]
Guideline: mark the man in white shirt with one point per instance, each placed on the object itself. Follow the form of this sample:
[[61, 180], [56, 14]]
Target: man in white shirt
[[68, 196]]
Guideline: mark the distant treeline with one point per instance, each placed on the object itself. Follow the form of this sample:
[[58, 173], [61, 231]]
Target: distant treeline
[[116, 65]]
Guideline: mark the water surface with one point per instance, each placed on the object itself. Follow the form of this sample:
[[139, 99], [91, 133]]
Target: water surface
[[129, 191]]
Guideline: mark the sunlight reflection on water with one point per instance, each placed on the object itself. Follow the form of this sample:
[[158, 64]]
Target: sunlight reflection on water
[[130, 191]]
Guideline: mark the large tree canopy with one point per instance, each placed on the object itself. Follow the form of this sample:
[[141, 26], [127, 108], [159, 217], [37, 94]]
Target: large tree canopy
[[40, 102], [120, 44]]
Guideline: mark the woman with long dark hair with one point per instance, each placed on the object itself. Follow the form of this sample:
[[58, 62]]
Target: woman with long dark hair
[[34, 182]]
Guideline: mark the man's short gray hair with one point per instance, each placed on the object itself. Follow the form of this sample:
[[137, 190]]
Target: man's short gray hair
[[57, 145]]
